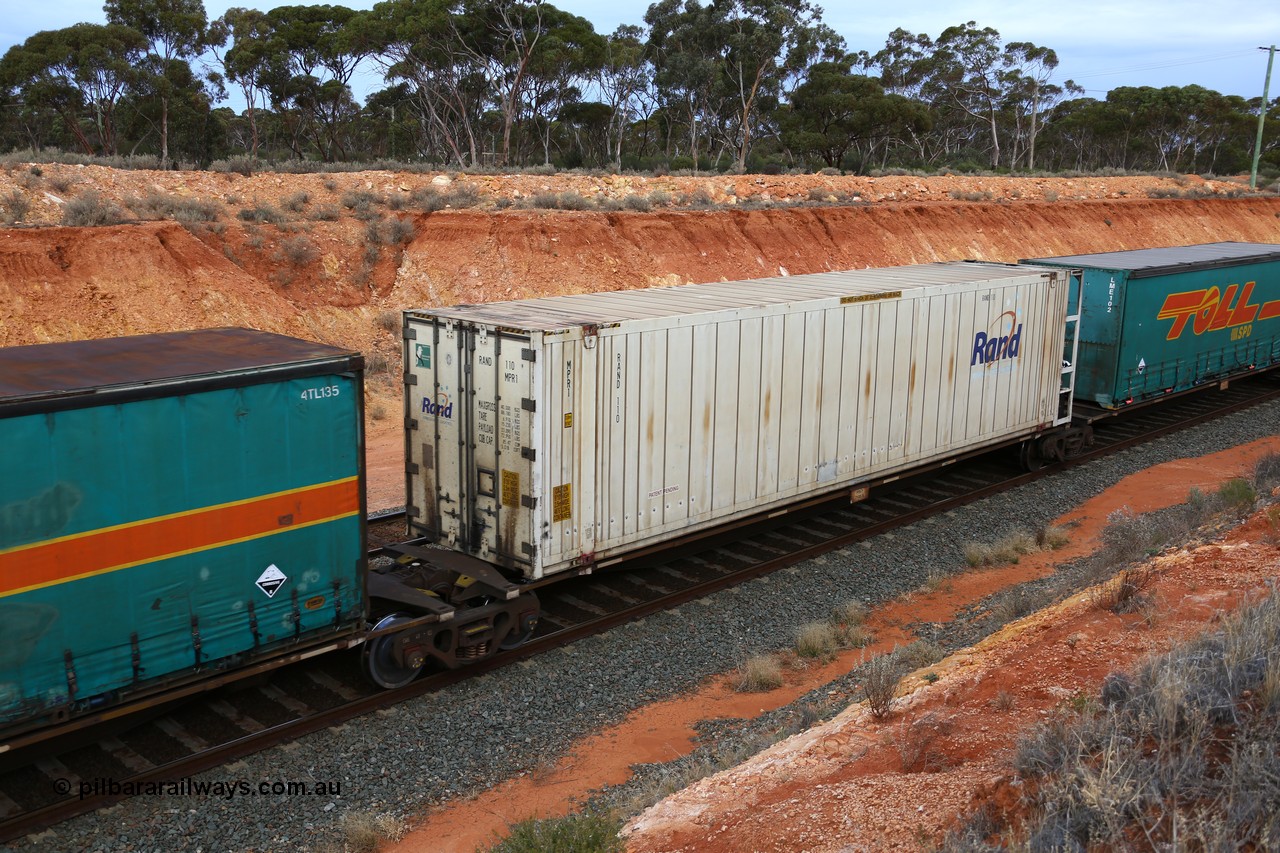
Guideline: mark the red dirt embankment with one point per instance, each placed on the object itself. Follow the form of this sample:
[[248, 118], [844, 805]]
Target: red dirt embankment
[[73, 283]]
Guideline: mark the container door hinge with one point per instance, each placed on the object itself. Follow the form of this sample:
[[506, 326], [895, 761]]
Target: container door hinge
[[528, 405], [529, 355], [410, 423], [412, 512], [410, 378], [528, 453], [410, 333], [527, 548], [412, 468], [529, 501]]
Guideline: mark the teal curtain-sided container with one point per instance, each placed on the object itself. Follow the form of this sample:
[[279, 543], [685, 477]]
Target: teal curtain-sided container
[[1159, 321], [174, 535]]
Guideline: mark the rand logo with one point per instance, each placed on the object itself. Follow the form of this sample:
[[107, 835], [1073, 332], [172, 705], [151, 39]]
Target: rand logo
[[1002, 342]]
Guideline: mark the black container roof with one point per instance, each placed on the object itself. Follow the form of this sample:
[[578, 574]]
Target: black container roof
[[1145, 263], [84, 372]]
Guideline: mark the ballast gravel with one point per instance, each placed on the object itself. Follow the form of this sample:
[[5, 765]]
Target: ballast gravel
[[473, 735]]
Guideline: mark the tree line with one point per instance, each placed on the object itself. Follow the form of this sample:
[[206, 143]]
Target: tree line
[[732, 84]]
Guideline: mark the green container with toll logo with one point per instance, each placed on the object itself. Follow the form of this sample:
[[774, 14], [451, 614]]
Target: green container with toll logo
[[1159, 321], [173, 508]]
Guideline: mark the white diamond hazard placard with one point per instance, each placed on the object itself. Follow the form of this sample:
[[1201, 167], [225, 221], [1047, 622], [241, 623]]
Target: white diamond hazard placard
[[271, 580]]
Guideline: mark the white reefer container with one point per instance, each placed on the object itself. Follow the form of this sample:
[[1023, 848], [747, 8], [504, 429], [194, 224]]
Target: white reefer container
[[545, 435]]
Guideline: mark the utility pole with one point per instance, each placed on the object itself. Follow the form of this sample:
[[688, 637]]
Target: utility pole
[[1262, 115]]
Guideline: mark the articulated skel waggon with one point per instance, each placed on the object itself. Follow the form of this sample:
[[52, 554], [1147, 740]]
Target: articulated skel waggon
[[180, 510]]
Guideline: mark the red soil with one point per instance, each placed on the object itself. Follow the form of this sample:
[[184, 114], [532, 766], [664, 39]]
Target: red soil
[[842, 785]]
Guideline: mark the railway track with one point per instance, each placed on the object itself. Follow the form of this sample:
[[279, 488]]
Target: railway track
[[55, 780]]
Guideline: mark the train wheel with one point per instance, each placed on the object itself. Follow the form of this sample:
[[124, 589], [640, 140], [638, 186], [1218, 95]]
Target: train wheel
[[1029, 456], [380, 665], [523, 631]]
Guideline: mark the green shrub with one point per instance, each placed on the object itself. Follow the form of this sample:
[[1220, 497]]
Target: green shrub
[[16, 207], [261, 213], [90, 209], [296, 201], [158, 205], [395, 231], [1266, 473], [464, 196], [299, 251], [577, 833], [1237, 495], [361, 203]]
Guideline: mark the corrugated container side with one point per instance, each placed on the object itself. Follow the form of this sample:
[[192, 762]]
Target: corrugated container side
[[649, 428], [176, 534]]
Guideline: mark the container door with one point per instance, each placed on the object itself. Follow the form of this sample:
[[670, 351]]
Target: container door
[[499, 413], [470, 399]]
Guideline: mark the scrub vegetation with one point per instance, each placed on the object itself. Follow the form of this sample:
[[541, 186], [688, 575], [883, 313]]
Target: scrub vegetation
[[718, 87]]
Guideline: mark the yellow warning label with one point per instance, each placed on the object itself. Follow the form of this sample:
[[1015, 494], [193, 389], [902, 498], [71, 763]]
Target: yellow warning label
[[568, 420], [562, 502], [510, 488], [870, 297]]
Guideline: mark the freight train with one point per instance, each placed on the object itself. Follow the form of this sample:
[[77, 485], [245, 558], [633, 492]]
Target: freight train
[[181, 510]]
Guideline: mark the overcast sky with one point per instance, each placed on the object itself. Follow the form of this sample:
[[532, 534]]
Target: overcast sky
[[1100, 44]]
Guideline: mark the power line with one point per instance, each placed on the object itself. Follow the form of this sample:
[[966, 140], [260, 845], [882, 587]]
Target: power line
[[1154, 66]]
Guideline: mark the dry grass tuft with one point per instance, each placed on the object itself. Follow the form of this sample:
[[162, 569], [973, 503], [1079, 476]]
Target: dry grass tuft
[[758, 674]]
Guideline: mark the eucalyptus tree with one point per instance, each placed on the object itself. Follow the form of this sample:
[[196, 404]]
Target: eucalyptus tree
[[1028, 93], [685, 44], [766, 42], [247, 62], [624, 80], [176, 31], [81, 72], [417, 43], [910, 65], [462, 57], [312, 54], [835, 112], [503, 38], [569, 54]]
